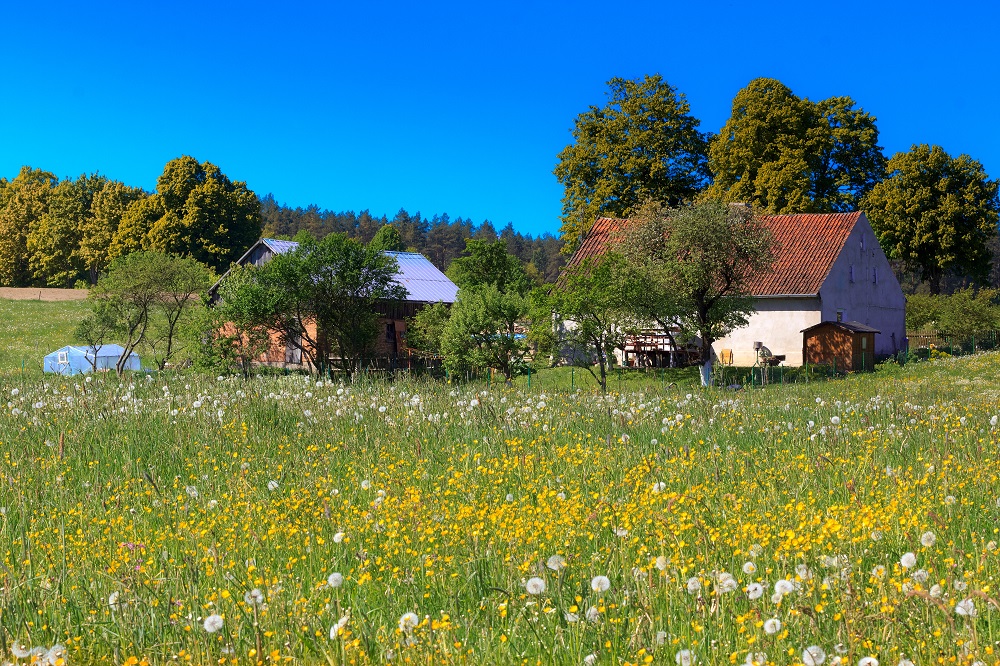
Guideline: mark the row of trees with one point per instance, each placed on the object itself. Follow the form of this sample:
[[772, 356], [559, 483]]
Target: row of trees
[[57, 233], [936, 215], [63, 232], [440, 238]]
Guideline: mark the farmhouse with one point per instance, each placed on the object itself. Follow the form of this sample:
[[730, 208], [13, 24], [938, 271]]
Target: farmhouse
[[828, 268], [424, 285]]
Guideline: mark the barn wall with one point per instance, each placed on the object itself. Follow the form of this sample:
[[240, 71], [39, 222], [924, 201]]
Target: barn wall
[[862, 285], [778, 323]]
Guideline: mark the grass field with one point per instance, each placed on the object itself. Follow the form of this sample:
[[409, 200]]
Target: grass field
[[190, 519], [31, 329]]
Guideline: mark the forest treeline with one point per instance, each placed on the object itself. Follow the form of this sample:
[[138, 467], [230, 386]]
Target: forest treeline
[[439, 238], [65, 233]]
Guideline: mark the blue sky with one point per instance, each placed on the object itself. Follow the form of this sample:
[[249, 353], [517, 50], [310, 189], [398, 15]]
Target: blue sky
[[454, 107]]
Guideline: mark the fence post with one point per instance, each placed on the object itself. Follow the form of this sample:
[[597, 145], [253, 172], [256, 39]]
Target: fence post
[[973, 344], [951, 347], [529, 376], [572, 379]]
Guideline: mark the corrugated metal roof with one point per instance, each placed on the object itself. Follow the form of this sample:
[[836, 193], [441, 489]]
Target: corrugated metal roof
[[279, 246], [422, 279], [806, 247]]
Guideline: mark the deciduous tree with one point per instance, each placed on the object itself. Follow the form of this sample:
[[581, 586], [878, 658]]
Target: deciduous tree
[[592, 304], [26, 200], [643, 144], [784, 154], [335, 282], [936, 214], [704, 255]]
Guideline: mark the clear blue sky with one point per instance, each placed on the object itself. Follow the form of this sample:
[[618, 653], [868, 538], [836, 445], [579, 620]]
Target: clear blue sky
[[454, 107]]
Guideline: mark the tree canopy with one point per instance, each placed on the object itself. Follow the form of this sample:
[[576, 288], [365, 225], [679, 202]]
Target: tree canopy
[[936, 214], [643, 144], [784, 154], [335, 283], [699, 260]]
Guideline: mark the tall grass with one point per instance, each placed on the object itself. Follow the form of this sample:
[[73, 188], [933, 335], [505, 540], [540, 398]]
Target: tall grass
[[136, 514]]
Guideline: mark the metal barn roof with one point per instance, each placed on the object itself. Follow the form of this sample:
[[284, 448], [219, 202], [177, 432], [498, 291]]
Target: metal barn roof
[[423, 281]]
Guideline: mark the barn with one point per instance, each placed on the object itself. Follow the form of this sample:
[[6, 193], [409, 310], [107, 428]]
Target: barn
[[425, 284], [828, 268], [73, 360]]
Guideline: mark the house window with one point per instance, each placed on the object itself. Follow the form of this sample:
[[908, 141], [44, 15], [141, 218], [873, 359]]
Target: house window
[[62, 357], [852, 272], [862, 242], [840, 315], [390, 332], [874, 276]]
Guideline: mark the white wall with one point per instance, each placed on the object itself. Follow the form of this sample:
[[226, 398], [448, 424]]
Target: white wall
[[778, 323], [878, 303]]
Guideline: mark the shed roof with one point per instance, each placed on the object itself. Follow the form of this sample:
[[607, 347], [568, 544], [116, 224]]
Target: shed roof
[[852, 326], [806, 247]]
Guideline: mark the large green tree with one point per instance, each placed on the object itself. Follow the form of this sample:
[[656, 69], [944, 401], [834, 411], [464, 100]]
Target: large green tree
[[700, 259], [482, 330], [643, 144], [53, 241], [936, 214], [196, 210], [489, 263], [26, 201], [782, 154], [99, 228]]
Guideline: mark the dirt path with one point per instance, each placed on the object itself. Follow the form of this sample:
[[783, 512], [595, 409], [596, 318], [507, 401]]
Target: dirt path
[[42, 294]]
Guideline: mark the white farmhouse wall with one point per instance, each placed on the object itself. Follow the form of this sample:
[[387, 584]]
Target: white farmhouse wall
[[778, 323], [862, 286]]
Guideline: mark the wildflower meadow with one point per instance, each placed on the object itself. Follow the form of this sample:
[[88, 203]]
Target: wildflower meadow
[[180, 518]]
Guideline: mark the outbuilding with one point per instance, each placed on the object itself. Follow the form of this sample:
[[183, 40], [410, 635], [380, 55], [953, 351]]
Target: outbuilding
[[72, 360], [846, 346]]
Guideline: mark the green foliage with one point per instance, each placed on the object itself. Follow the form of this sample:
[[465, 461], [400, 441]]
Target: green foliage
[[697, 261], [482, 330], [936, 214], [335, 283], [968, 312], [25, 202], [144, 299], [922, 310], [53, 243], [425, 330], [206, 215], [387, 239], [99, 228], [784, 154], [234, 333], [593, 302], [489, 264], [643, 144]]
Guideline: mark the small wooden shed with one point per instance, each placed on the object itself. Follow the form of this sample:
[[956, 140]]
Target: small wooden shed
[[845, 345]]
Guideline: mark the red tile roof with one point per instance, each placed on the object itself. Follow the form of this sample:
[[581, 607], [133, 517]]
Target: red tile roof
[[806, 246]]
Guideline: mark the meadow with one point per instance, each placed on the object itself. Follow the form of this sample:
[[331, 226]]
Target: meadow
[[179, 518]]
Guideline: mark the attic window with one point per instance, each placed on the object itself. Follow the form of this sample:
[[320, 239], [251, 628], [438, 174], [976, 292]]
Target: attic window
[[874, 276], [862, 241], [62, 357], [852, 272], [840, 315]]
